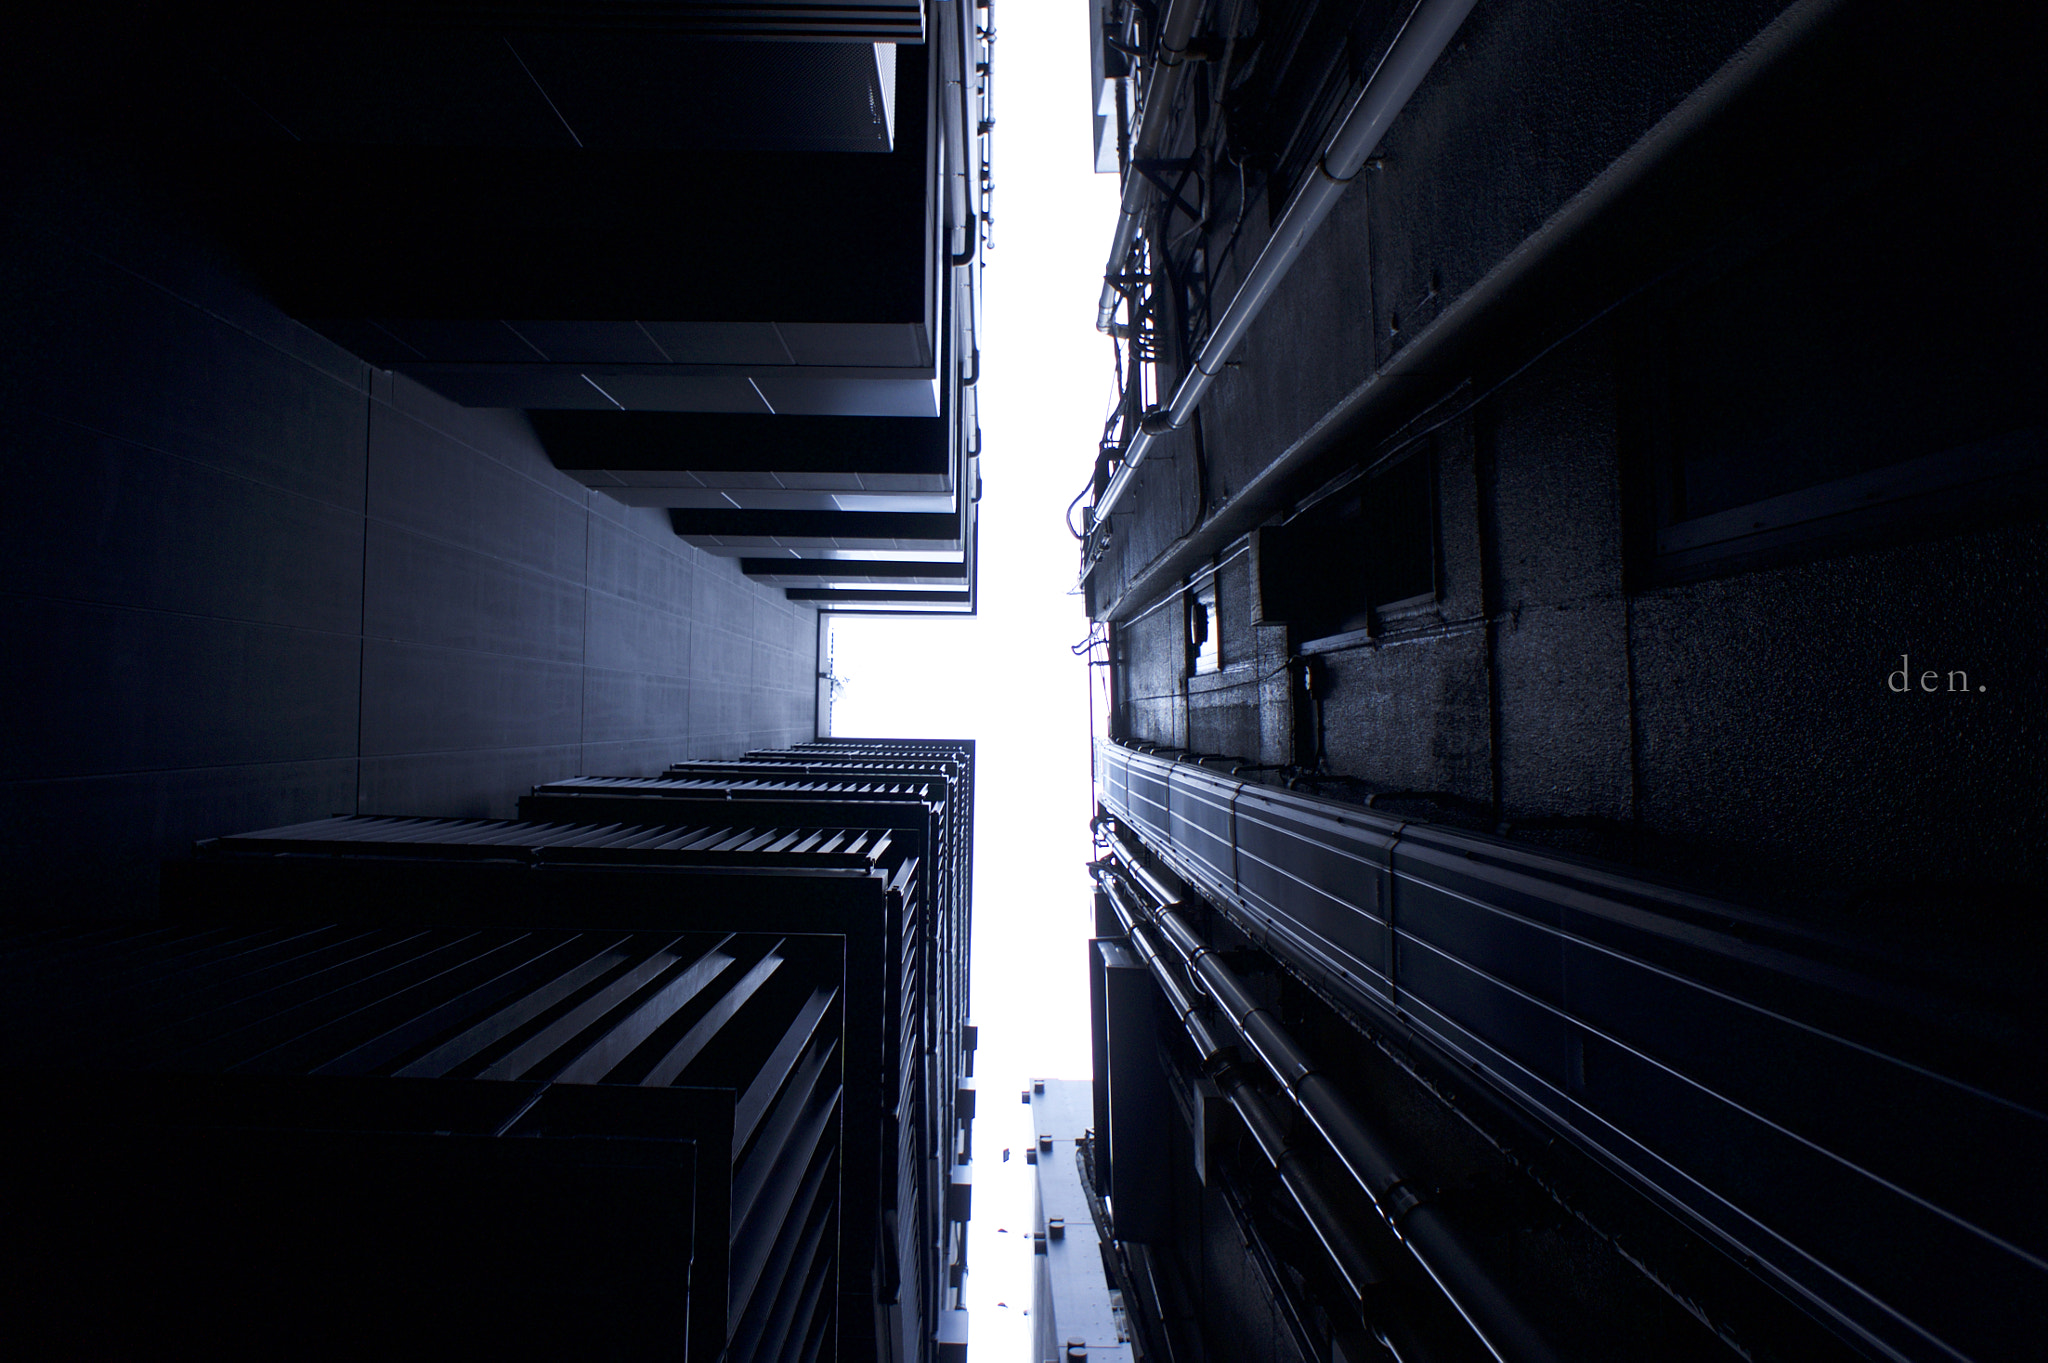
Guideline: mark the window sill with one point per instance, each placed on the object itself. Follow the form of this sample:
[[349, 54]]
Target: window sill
[[1236, 674]]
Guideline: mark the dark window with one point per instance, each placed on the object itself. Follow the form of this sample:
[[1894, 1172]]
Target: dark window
[[1873, 373], [1364, 551]]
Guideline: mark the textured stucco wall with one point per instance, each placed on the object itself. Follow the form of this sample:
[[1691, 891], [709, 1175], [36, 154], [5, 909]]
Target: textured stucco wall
[[1736, 730]]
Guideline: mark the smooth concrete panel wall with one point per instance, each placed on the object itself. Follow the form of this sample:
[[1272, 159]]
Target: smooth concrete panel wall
[[246, 579]]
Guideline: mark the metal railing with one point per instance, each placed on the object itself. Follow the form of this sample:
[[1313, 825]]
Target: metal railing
[[1863, 1132]]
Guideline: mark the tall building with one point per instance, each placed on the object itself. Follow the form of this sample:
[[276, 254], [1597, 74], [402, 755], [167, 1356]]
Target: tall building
[[693, 1083], [1566, 564], [409, 404], [409, 409], [1075, 1311]]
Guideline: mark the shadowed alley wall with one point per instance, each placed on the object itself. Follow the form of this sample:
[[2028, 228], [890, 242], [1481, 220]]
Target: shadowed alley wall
[[246, 579]]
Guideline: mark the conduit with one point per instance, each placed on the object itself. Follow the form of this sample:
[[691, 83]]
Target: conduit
[[1423, 37], [1160, 935], [1353, 1263]]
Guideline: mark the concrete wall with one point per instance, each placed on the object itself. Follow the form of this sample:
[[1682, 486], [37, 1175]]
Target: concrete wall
[[1740, 730], [247, 580], [1567, 681], [1151, 674]]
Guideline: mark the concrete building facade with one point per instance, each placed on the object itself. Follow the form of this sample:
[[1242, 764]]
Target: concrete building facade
[[407, 407], [392, 423], [1560, 465]]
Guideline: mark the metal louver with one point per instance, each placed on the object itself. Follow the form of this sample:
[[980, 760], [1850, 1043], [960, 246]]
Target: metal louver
[[489, 1089], [567, 1087]]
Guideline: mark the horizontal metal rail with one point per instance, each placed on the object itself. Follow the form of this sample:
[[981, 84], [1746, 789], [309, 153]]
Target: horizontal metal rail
[[1866, 1138], [1442, 1248], [739, 836]]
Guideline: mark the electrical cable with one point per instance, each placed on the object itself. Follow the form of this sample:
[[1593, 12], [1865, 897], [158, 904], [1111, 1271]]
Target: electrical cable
[[1078, 534]]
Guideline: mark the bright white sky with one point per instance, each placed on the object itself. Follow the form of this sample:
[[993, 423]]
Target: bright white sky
[[1007, 678]]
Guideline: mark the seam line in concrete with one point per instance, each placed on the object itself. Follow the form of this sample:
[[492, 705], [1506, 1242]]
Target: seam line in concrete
[[197, 462], [363, 598], [9, 593]]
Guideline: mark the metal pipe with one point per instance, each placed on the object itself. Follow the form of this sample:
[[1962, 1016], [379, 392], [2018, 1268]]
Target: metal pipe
[[1424, 35], [1438, 1245], [1431, 347], [1154, 886], [1427, 32], [1302, 1184], [1161, 89], [956, 69], [1139, 933], [1301, 1181]]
